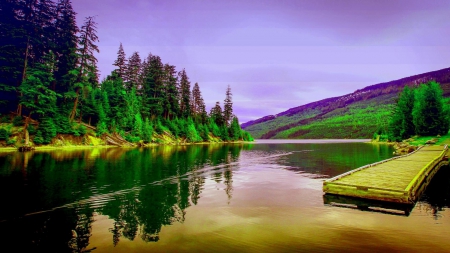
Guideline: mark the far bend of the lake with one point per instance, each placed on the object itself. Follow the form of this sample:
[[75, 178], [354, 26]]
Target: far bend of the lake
[[259, 197]]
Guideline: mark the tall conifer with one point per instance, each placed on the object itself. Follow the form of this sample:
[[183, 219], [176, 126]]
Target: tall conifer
[[228, 107], [121, 63], [185, 94]]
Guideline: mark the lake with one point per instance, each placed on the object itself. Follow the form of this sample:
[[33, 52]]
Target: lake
[[260, 197]]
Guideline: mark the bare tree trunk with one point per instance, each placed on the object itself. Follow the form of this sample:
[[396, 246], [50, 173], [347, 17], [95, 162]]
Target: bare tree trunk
[[75, 104], [24, 73]]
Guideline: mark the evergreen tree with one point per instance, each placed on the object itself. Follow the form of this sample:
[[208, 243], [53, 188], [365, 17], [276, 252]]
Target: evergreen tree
[[37, 97], [65, 45], [46, 131], [216, 114], [235, 129], [121, 63], [228, 107], [153, 88], [113, 86], [86, 60], [429, 114], [133, 71], [401, 125], [395, 125], [147, 131], [185, 94], [198, 105], [138, 125], [171, 104]]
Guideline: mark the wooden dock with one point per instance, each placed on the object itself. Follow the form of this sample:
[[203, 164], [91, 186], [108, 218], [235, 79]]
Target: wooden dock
[[400, 179]]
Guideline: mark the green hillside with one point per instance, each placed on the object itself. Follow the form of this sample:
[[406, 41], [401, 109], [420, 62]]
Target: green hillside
[[355, 115]]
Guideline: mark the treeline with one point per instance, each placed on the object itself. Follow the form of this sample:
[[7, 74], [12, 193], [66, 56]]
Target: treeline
[[419, 111], [48, 74]]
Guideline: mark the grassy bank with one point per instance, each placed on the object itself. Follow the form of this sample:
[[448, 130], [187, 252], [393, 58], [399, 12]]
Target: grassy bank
[[15, 138]]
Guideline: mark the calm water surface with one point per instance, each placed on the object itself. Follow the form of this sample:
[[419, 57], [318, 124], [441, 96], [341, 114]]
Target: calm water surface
[[260, 197]]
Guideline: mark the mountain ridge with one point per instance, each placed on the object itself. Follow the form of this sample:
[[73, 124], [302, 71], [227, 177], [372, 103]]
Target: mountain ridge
[[318, 110]]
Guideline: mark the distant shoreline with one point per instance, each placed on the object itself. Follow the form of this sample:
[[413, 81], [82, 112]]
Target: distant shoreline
[[78, 147], [307, 141]]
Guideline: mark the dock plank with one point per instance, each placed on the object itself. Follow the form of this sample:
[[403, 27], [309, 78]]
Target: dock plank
[[391, 180]]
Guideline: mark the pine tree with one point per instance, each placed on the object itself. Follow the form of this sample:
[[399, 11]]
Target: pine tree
[[37, 97], [235, 129], [147, 131], [401, 125], [429, 114], [216, 115], [228, 107], [65, 40], [86, 67], [153, 88], [32, 35], [133, 71], [185, 94], [172, 105], [121, 63]]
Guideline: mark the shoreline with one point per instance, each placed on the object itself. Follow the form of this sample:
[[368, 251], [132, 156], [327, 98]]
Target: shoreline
[[78, 147]]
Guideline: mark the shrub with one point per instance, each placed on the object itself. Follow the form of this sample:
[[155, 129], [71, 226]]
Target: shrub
[[18, 121], [4, 119], [4, 134]]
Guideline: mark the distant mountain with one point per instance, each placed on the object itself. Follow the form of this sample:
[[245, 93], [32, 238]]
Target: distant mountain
[[355, 115]]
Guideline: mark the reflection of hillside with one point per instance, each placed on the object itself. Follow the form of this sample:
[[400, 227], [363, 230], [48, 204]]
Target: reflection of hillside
[[330, 160]]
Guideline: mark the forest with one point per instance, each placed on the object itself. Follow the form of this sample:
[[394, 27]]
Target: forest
[[419, 111], [49, 84]]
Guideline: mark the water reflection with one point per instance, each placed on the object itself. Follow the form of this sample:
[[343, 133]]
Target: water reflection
[[75, 201], [142, 190]]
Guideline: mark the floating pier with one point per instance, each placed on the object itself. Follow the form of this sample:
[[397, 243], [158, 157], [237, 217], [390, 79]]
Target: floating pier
[[400, 179]]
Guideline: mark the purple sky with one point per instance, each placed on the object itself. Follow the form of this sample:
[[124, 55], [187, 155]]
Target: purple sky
[[276, 54]]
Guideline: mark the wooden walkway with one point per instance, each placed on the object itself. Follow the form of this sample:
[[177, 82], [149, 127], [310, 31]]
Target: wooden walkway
[[400, 179]]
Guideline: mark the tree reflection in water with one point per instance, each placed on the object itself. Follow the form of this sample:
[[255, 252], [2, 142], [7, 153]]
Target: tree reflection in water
[[142, 190]]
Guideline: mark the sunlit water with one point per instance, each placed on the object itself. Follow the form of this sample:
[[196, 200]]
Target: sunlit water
[[261, 197]]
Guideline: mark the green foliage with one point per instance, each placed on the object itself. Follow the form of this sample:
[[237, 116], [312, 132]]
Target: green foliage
[[10, 141], [401, 125], [429, 114], [173, 127], [38, 139], [138, 124], [32, 129], [101, 128], [159, 127], [235, 130], [4, 119], [357, 120], [246, 136], [131, 138], [82, 129], [62, 123], [52, 65], [17, 121], [203, 132], [224, 133], [214, 129], [147, 131], [46, 130], [4, 134], [192, 134]]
